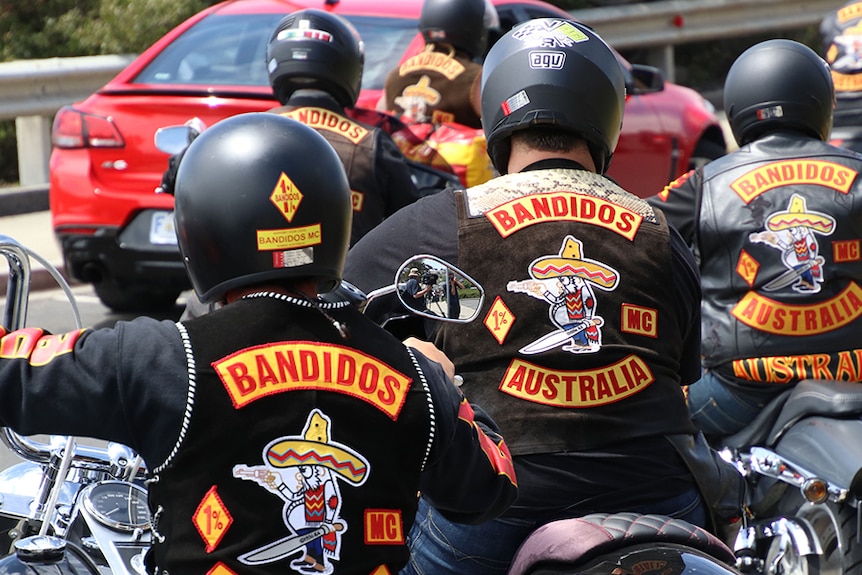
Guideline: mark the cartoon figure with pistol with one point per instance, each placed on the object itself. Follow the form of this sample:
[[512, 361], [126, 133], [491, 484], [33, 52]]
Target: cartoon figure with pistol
[[566, 281], [312, 497]]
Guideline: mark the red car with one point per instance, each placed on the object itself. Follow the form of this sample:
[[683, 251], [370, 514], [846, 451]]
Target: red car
[[117, 234]]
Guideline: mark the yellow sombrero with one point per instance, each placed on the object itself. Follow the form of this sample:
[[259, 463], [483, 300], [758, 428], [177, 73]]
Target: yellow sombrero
[[796, 215], [316, 449], [570, 263]]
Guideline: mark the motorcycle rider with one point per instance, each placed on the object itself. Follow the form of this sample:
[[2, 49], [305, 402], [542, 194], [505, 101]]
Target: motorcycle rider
[[436, 92], [775, 226], [441, 84], [591, 310], [841, 35], [275, 418], [315, 60]]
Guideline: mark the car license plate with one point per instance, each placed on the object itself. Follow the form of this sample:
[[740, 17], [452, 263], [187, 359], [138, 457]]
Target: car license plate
[[162, 231]]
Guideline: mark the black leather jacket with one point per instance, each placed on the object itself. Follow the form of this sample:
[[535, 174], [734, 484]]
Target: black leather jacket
[[776, 228]]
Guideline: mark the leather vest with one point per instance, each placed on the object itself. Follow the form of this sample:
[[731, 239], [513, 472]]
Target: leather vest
[[355, 144], [577, 345], [434, 87], [781, 264], [314, 440]]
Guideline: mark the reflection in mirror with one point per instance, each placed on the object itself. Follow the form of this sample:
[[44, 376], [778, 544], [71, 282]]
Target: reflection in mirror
[[434, 288]]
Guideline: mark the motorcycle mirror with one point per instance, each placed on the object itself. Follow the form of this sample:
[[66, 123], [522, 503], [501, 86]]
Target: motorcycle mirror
[[446, 293], [174, 139]]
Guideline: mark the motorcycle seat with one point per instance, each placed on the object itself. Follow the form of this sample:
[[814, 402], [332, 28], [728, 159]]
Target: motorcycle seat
[[578, 540], [808, 397]]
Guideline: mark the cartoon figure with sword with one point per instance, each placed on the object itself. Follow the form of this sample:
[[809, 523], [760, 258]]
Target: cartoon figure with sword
[[566, 281], [312, 497], [793, 233]]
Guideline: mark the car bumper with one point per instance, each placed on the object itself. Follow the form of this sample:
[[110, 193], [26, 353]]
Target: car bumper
[[125, 256]]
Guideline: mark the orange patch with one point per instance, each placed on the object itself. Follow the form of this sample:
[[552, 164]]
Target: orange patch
[[256, 372], [525, 211], [639, 320], [788, 172], [499, 320], [768, 315], [383, 527], [212, 519], [576, 388]]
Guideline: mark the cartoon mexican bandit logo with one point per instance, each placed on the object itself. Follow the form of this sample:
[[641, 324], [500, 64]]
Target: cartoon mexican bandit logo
[[792, 232], [566, 281], [302, 470]]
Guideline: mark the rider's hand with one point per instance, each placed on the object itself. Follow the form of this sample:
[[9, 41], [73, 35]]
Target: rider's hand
[[430, 351]]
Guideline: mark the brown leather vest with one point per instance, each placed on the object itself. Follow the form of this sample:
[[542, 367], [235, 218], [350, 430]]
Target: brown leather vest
[[434, 87], [579, 340], [354, 143]]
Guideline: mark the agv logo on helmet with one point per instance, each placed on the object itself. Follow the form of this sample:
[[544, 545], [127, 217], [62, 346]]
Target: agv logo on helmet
[[545, 60]]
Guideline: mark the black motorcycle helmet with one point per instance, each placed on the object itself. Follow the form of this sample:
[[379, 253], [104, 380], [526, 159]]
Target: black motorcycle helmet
[[463, 24], [552, 72], [312, 49], [779, 85], [261, 198]]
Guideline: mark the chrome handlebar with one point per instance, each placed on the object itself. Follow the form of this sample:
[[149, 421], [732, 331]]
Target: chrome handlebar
[[54, 457]]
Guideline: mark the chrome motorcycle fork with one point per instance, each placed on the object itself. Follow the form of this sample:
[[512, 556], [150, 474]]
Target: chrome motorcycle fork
[[757, 535]]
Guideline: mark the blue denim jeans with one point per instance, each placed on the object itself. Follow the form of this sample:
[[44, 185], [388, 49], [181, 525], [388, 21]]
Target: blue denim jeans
[[719, 410], [438, 546]]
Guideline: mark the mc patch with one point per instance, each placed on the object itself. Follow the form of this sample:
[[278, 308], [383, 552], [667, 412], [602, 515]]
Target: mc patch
[[639, 320], [383, 527]]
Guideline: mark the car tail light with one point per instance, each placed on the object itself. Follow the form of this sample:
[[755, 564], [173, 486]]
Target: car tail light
[[74, 129]]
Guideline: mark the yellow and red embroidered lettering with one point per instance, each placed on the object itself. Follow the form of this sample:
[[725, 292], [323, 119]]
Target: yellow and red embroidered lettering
[[499, 320], [288, 239], [434, 61], [525, 211], [256, 372], [36, 346], [639, 320], [765, 314], [576, 389], [841, 366], [322, 119], [383, 527], [849, 12], [847, 82], [212, 519], [784, 173], [286, 197], [845, 251]]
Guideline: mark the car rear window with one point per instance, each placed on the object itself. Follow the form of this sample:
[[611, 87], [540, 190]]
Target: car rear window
[[231, 51]]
